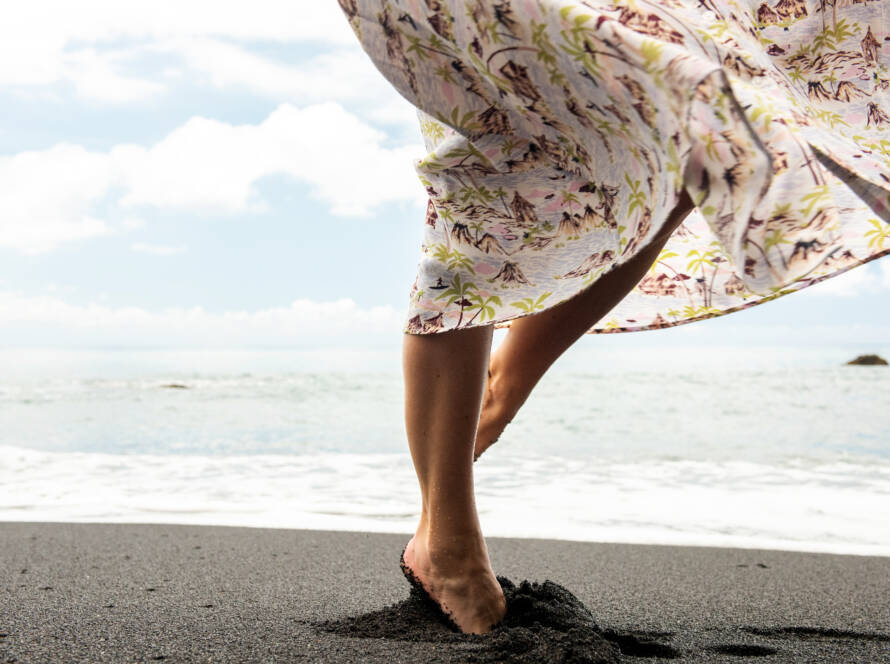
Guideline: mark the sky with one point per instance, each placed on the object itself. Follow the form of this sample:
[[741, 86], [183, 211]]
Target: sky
[[197, 174]]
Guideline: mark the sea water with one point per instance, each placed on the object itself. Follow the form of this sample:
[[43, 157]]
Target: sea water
[[770, 450]]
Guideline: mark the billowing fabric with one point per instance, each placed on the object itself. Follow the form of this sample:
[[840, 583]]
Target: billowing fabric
[[561, 133]]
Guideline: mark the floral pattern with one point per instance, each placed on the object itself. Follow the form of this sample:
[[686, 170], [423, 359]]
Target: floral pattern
[[561, 133]]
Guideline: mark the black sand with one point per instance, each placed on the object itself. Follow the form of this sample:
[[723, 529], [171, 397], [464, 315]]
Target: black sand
[[137, 593]]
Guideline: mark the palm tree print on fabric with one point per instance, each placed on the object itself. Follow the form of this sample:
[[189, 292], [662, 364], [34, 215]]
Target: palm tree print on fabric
[[561, 133]]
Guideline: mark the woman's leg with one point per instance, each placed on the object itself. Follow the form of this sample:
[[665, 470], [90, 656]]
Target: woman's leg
[[535, 342], [445, 379], [444, 382]]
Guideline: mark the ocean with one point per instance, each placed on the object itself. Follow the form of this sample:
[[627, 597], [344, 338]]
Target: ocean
[[757, 448]]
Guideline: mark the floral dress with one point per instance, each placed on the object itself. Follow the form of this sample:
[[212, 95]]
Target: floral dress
[[560, 134]]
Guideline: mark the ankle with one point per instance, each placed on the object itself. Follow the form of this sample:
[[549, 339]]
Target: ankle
[[453, 552]]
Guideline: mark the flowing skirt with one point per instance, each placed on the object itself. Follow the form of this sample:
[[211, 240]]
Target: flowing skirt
[[561, 133]]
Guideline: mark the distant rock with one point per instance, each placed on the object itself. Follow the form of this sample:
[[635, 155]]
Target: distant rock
[[868, 360], [176, 386]]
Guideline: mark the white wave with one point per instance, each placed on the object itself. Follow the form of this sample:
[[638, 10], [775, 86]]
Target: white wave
[[837, 507]]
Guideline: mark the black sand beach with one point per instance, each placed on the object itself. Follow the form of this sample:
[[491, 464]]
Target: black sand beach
[[148, 593]]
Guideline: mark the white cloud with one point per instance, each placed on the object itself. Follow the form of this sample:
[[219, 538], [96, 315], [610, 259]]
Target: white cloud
[[48, 198], [109, 52], [44, 319], [341, 74], [346, 75], [34, 36], [51, 321], [53, 287], [156, 249], [211, 165], [96, 76]]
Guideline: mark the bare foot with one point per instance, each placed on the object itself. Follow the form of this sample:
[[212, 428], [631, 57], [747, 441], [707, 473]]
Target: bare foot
[[461, 582]]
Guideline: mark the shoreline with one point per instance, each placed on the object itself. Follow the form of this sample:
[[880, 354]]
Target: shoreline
[[163, 592], [352, 525]]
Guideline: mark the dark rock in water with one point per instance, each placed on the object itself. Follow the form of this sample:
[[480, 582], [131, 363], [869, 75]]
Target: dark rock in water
[[176, 386], [544, 623], [868, 360]]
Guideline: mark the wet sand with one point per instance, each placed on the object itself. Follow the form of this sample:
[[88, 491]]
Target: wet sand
[[149, 593]]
